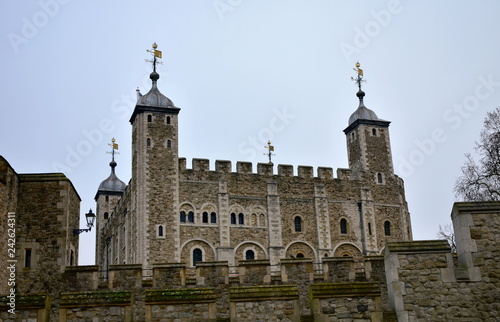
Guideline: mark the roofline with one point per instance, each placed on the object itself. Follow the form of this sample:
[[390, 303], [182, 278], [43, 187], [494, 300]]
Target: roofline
[[158, 109], [109, 193], [47, 177], [354, 124]]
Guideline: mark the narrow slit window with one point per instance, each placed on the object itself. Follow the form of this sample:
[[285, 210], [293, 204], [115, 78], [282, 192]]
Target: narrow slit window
[[343, 226], [160, 231], [27, 258], [298, 224], [387, 228]]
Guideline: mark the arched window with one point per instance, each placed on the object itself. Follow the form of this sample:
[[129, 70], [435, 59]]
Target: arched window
[[249, 254], [233, 218], [106, 215], [374, 132], [169, 144], [148, 142], [298, 224], [183, 216], [213, 218], [107, 198], [387, 228], [241, 219], [160, 231], [150, 118], [168, 119], [380, 178], [205, 217], [197, 256], [190, 216], [300, 255], [343, 226]]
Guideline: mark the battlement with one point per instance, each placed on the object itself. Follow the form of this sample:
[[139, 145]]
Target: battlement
[[419, 280], [264, 169]]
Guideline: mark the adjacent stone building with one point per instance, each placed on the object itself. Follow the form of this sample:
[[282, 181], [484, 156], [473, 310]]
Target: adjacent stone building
[[38, 214], [172, 213]]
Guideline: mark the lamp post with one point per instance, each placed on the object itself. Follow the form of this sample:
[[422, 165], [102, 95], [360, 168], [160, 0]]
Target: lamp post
[[90, 217]]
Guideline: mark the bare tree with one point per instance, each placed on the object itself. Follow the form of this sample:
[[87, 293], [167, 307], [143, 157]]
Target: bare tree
[[480, 181], [446, 232]]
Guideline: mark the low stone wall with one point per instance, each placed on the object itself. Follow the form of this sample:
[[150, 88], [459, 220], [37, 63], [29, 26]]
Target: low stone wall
[[413, 281]]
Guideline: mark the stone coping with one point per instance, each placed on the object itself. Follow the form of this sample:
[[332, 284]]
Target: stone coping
[[251, 262], [420, 246], [169, 265], [106, 298], [120, 267], [263, 293], [83, 268], [33, 301], [210, 264], [296, 260], [181, 295], [326, 290]]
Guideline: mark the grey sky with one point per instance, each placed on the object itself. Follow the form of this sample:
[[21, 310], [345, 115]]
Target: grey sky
[[245, 71]]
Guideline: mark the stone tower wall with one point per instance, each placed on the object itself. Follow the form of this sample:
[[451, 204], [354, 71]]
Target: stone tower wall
[[47, 212], [9, 188]]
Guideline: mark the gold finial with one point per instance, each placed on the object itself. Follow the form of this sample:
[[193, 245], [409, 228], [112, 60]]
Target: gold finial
[[156, 54], [114, 147], [270, 150], [359, 78]]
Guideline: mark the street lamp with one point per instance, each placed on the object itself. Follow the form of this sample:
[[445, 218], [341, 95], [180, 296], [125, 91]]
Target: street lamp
[[90, 217]]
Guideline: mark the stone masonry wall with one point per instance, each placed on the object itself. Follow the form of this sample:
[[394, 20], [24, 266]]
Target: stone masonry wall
[[9, 187], [427, 284], [413, 281]]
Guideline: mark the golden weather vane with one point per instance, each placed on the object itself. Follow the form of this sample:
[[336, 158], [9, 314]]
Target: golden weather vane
[[359, 78], [270, 150], [156, 54], [114, 147]]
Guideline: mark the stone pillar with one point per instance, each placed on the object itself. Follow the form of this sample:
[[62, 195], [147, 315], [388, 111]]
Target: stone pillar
[[224, 252], [276, 249], [322, 221]]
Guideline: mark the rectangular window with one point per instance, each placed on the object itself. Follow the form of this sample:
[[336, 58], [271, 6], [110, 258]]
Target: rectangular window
[[27, 258]]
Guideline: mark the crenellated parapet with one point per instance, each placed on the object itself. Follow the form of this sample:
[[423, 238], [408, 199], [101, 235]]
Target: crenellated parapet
[[264, 169]]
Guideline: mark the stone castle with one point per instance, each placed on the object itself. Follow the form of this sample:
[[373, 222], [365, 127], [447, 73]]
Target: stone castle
[[194, 244], [170, 213]]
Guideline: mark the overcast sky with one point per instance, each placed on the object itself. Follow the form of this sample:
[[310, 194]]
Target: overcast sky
[[243, 72]]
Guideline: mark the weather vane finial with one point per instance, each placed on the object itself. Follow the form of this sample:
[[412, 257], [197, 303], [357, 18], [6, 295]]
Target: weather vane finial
[[114, 147], [359, 78], [156, 54], [270, 150]]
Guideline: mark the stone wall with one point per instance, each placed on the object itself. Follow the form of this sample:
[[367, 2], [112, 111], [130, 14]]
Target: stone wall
[[9, 187], [426, 282], [413, 281]]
